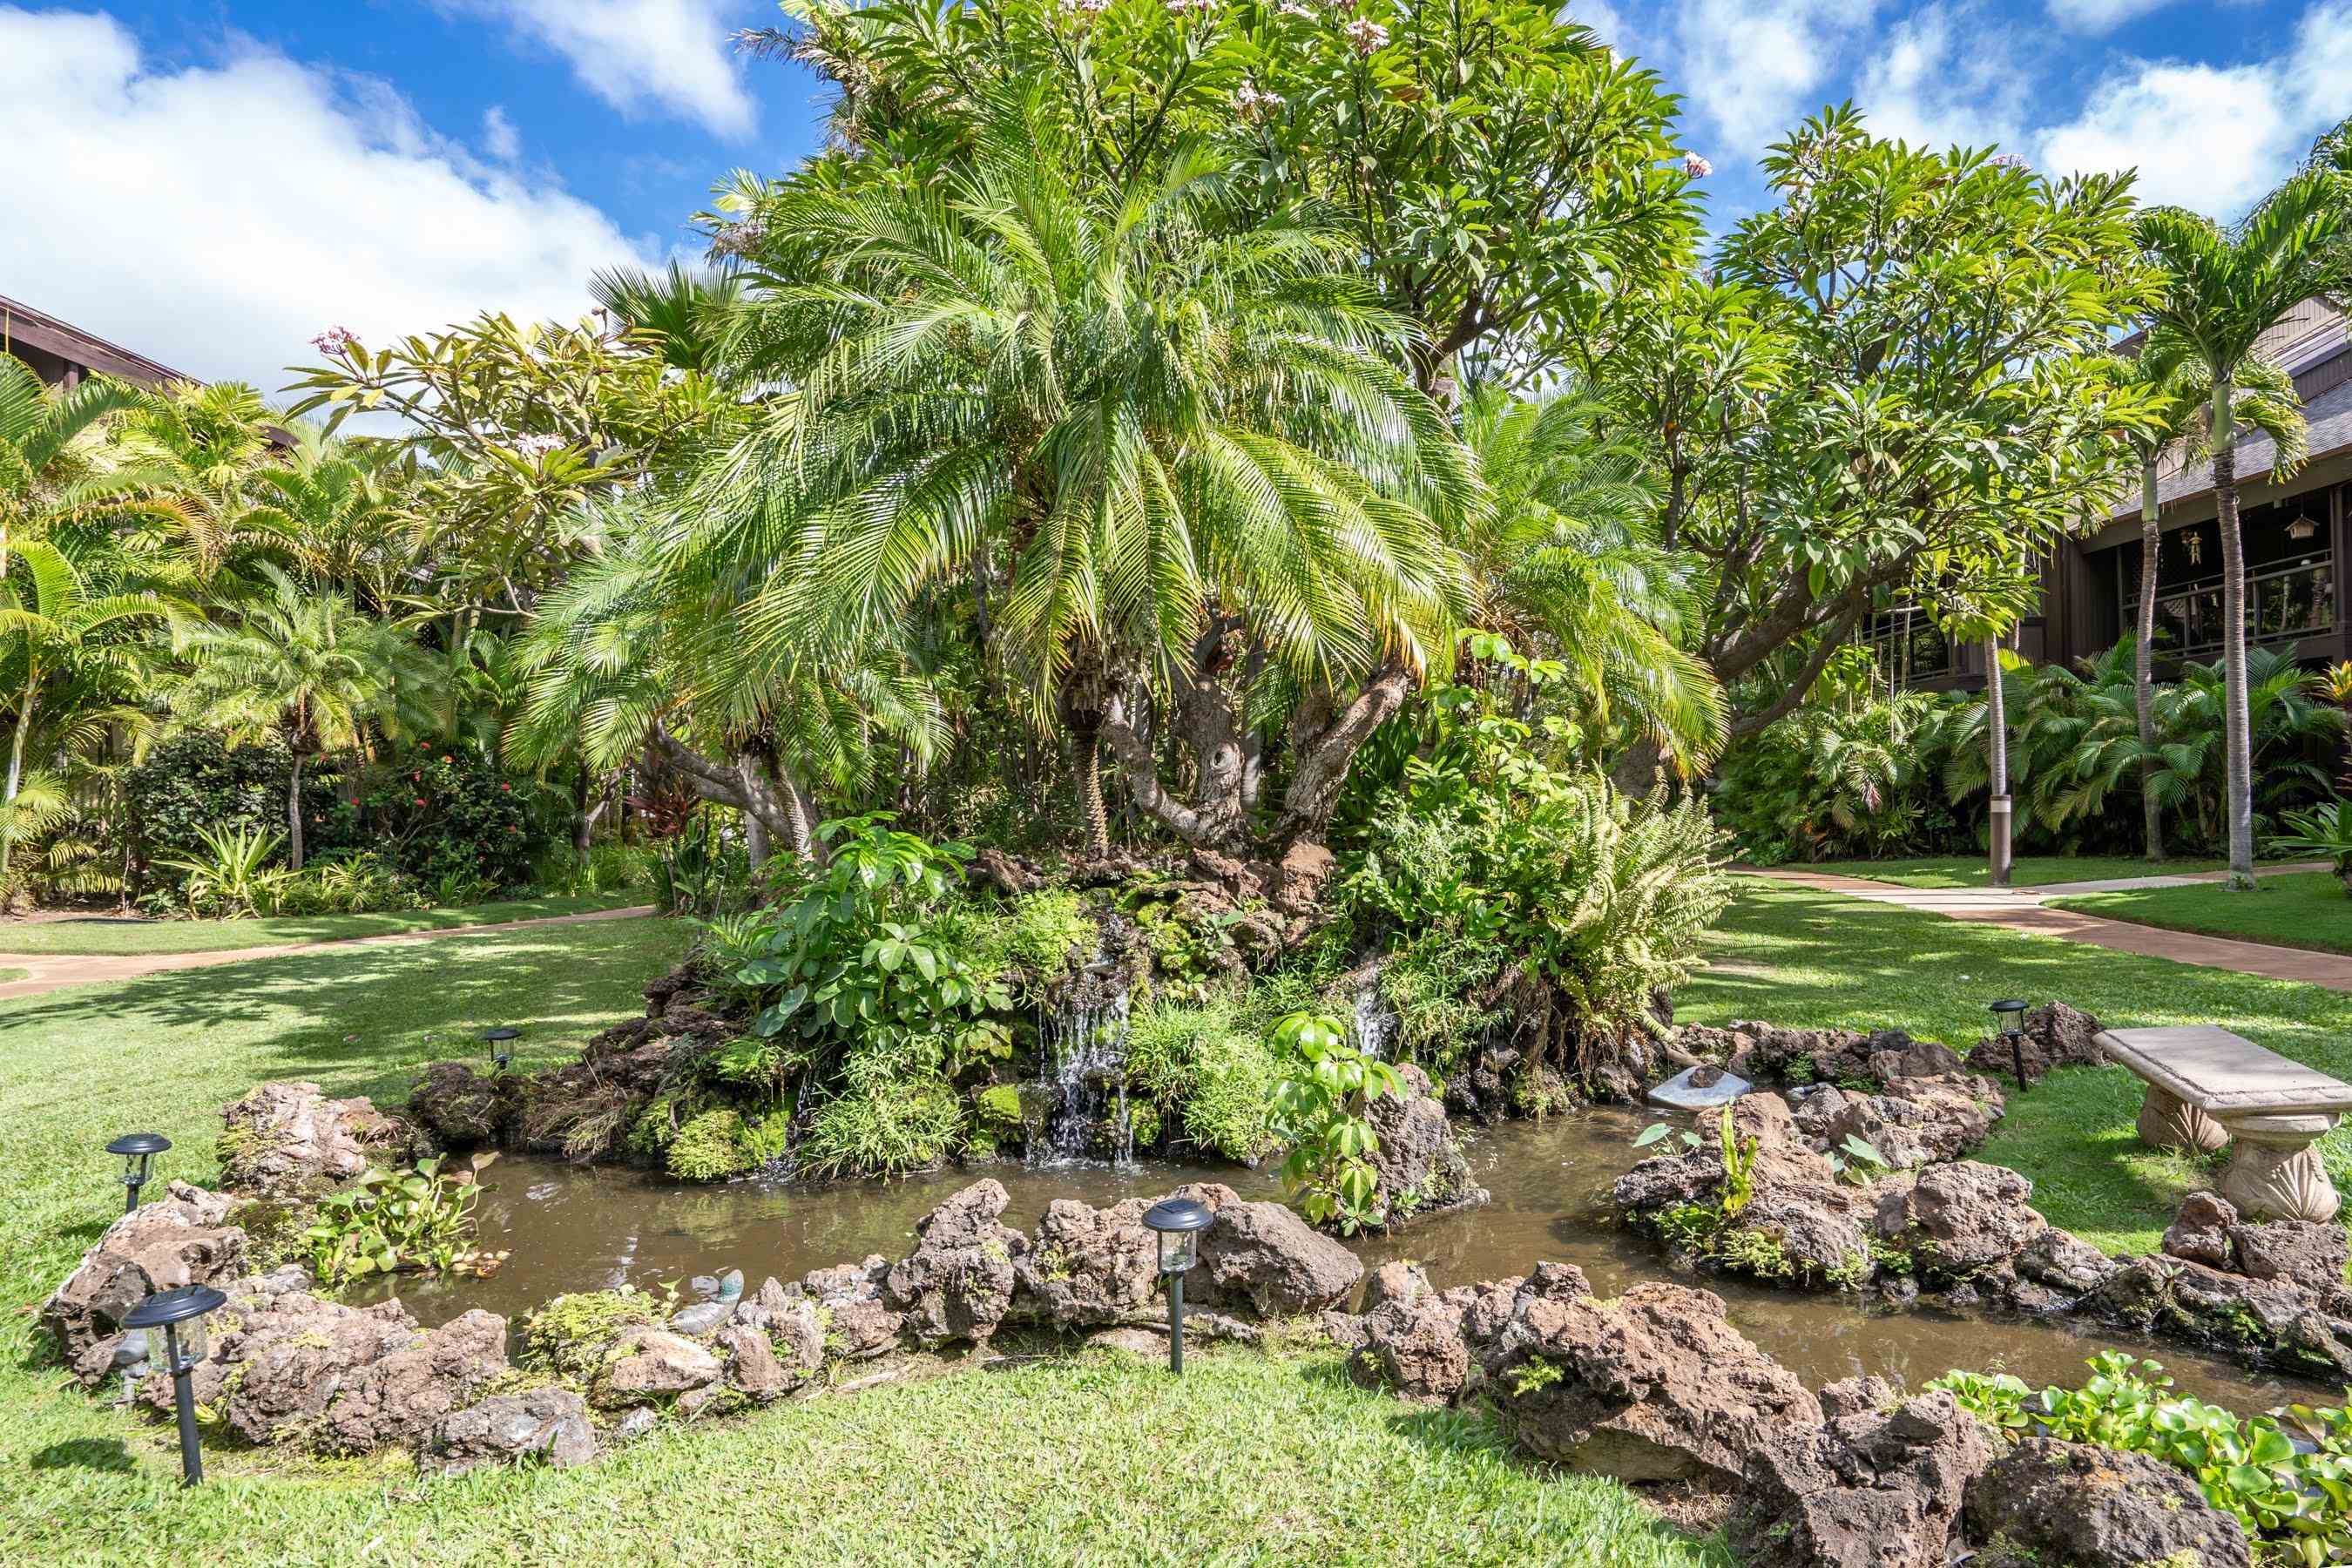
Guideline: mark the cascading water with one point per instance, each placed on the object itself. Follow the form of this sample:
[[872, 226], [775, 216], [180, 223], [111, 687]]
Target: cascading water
[[1085, 1069], [1376, 1021]]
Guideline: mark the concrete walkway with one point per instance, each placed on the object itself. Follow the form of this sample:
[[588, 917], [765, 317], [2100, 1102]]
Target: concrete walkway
[[55, 971], [2022, 908]]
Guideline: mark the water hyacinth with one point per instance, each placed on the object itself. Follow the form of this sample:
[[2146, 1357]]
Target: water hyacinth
[[1696, 167], [334, 341], [1366, 36]]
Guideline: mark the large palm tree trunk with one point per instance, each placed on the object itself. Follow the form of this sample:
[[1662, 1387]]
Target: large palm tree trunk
[[1086, 747], [1997, 739], [294, 813], [2236, 730], [2151, 535]]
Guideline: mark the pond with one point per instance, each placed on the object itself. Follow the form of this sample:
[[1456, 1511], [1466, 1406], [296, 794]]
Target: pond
[[573, 1228]]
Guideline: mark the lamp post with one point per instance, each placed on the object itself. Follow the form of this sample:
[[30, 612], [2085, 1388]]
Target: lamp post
[[138, 1151], [501, 1058], [2009, 1017], [181, 1315], [1178, 1222]]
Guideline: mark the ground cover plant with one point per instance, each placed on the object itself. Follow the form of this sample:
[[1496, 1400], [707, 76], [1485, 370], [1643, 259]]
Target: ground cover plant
[[1792, 955], [2298, 908]]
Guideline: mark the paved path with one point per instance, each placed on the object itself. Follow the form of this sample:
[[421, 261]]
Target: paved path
[[56, 970], [2022, 908], [2168, 879]]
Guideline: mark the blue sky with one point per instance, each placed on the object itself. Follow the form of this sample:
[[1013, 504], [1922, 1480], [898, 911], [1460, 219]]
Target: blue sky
[[214, 183]]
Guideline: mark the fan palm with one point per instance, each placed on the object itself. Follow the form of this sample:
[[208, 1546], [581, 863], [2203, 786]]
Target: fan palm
[[1182, 434], [2220, 291], [1566, 564], [685, 310], [306, 669]]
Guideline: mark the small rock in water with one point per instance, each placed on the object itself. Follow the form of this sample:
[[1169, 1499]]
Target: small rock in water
[[731, 1287], [704, 1286], [1699, 1089], [703, 1318]]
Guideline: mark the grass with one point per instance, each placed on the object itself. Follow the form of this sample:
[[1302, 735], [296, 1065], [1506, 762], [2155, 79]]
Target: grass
[[110, 937], [9, 975], [2301, 909], [2027, 871], [1253, 1459], [1799, 957]]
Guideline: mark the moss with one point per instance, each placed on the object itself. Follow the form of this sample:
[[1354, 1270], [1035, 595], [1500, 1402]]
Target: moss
[[711, 1147], [996, 1111], [571, 1337], [1755, 1252]]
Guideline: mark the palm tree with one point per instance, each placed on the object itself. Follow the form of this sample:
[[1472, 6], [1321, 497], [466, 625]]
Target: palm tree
[[306, 668], [2176, 390], [2220, 291], [37, 431], [1567, 564], [1184, 432], [685, 310]]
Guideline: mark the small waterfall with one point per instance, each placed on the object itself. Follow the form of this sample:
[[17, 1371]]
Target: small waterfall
[[1085, 1066], [1376, 1021]]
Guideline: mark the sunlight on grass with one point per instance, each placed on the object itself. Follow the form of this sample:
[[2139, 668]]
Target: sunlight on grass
[[2302, 909]]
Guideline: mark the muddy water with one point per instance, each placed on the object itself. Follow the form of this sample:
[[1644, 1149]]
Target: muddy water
[[573, 1229]]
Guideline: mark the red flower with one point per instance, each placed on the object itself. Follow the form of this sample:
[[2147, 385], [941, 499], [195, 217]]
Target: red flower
[[505, 788], [420, 800]]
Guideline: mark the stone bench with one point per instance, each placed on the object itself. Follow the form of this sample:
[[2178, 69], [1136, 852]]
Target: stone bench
[[2208, 1087]]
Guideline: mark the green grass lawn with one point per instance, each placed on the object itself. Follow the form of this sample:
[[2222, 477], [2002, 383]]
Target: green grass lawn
[[115, 937], [2302, 909], [2028, 871], [1253, 1459], [1811, 959]]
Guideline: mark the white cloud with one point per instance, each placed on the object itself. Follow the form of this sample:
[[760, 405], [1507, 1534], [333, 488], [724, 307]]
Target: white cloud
[[2100, 17], [1755, 68], [674, 56], [1946, 76], [216, 217], [2213, 137], [499, 137]]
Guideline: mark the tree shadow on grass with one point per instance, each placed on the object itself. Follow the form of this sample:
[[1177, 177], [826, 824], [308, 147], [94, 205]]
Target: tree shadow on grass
[[86, 1454]]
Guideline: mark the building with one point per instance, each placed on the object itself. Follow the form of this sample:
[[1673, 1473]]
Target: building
[[2295, 535], [61, 354]]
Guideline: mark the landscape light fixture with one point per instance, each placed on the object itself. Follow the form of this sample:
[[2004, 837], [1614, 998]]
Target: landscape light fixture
[[2009, 1017], [501, 1058], [138, 1151], [181, 1315], [1178, 1222]]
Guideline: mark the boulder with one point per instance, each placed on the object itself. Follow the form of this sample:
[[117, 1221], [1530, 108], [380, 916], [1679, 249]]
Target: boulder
[[2200, 1231], [2066, 1263], [548, 1424], [958, 1282], [645, 1364], [457, 1105], [753, 1367], [852, 1317], [181, 1239], [1088, 1265], [1901, 1056], [287, 1138], [2272, 1318], [1868, 1490], [1913, 1121], [2309, 1255], [1395, 1280], [1418, 1164], [2057, 1036], [1425, 1345], [1657, 1385], [2048, 1501], [1958, 1220], [1262, 1256], [1862, 1395]]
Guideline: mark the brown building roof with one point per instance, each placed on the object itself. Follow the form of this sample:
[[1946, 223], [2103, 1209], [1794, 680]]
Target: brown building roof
[[21, 324]]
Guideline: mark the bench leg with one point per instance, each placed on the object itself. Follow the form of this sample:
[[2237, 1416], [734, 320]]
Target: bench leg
[[2168, 1122], [2278, 1177]]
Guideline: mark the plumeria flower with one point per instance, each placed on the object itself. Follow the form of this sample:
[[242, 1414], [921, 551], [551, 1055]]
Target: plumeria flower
[[536, 446], [1293, 8], [1254, 104], [1366, 35], [1696, 167], [334, 340], [2007, 161]]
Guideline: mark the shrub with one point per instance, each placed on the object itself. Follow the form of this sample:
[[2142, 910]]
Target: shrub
[[883, 1129], [1205, 1064], [195, 783], [450, 814], [1318, 1109], [711, 1147]]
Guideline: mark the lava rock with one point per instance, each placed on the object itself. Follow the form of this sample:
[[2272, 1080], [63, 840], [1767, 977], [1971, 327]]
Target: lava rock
[[457, 1105], [1396, 1280], [182, 1238], [1417, 1163], [1263, 1256], [855, 1321], [2311, 1256], [285, 1138], [1913, 1121], [649, 1363], [1088, 1265], [753, 1367], [2063, 1262], [958, 1282], [548, 1424], [1870, 1489], [1960, 1219], [2200, 1231], [2048, 1501], [1657, 1385], [1862, 1395]]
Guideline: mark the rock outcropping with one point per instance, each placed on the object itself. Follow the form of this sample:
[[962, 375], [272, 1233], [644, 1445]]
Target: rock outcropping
[[182, 1238], [287, 1138]]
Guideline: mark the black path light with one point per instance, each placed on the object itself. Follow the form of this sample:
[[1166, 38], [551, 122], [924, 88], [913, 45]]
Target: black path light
[[500, 1056], [1178, 1222], [2009, 1017], [138, 1151], [181, 1315]]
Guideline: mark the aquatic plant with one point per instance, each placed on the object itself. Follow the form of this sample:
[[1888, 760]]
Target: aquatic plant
[[389, 1221], [710, 1148]]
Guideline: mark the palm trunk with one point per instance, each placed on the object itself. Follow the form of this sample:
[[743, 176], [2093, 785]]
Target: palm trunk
[[2237, 727], [1086, 747], [2151, 537], [16, 779], [1997, 740], [294, 813]]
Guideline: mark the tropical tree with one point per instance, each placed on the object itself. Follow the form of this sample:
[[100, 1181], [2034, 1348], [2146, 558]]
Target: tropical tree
[[2220, 291], [2176, 390], [38, 429], [306, 669], [1180, 432]]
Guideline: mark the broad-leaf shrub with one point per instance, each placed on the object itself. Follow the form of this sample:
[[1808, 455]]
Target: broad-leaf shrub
[[1319, 1105]]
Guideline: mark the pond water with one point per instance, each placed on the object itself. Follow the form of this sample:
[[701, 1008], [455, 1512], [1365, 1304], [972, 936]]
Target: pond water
[[573, 1228]]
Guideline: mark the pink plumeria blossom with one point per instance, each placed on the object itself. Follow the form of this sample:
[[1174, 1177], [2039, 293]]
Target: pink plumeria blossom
[[1254, 104], [334, 340], [1696, 167], [2007, 161], [1366, 36], [536, 446]]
